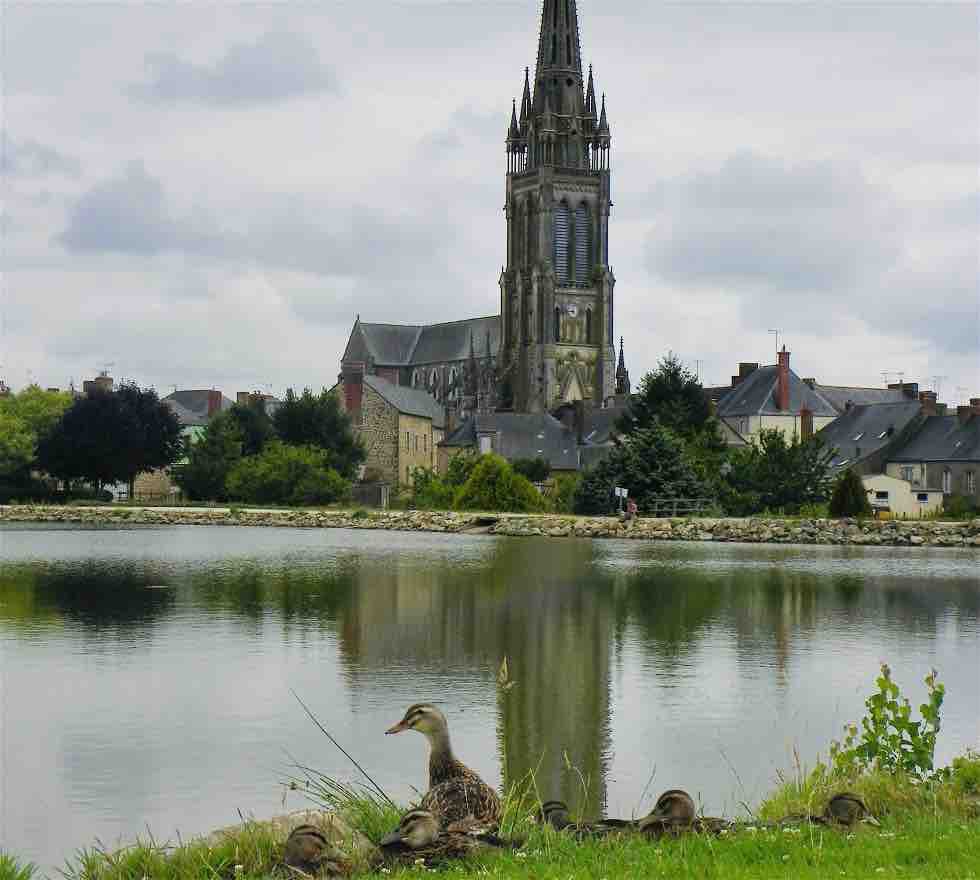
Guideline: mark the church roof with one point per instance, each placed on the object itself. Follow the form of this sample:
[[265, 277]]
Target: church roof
[[411, 401], [756, 395], [402, 345]]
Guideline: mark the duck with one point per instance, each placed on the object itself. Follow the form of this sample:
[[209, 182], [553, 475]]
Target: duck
[[675, 812], [308, 852], [457, 796], [420, 835], [556, 814], [847, 809]]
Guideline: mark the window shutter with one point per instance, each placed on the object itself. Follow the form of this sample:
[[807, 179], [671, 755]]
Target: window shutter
[[583, 265], [561, 243]]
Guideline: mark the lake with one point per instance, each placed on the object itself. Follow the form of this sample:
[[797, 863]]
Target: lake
[[145, 673]]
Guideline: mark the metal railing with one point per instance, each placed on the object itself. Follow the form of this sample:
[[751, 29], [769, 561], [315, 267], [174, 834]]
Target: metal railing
[[678, 507]]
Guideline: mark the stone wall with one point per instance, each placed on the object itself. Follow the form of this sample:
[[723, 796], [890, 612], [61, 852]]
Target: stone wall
[[890, 533], [378, 430]]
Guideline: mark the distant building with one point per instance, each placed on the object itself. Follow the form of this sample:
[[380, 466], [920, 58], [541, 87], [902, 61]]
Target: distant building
[[196, 408], [943, 454], [863, 437], [900, 498], [102, 383], [514, 436], [400, 427]]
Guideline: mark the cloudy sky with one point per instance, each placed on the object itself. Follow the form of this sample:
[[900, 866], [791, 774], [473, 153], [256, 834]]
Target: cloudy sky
[[205, 194]]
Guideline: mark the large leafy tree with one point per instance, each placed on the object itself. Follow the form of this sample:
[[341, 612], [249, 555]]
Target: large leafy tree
[[651, 463], [209, 459], [671, 395], [109, 437], [494, 485], [25, 417], [317, 420], [254, 425], [777, 474]]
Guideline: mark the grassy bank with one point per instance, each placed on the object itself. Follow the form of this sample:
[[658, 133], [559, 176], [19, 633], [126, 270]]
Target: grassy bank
[[928, 830]]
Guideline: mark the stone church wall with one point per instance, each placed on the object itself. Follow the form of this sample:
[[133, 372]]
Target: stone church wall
[[378, 430]]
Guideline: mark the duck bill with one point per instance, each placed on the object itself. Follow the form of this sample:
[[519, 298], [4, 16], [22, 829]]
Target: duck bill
[[397, 728], [391, 839]]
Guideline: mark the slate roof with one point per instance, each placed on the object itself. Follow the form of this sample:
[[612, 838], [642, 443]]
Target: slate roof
[[756, 395], [520, 435], [191, 406], [867, 428], [411, 401], [943, 438], [600, 423], [838, 396], [401, 345]]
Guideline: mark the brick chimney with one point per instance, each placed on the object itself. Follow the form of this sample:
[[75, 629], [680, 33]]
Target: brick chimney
[[352, 379], [782, 384], [927, 399], [214, 402], [975, 405], [806, 424], [964, 414]]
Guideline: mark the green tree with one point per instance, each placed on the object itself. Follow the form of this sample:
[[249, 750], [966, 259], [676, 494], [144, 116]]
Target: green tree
[[430, 491], [651, 463], [209, 459], [318, 420], [284, 474], [254, 425], [152, 437], [671, 395], [849, 497], [493, 485], [537, 470], [777, 474], [460, 467], [109, 437], [17, 446]]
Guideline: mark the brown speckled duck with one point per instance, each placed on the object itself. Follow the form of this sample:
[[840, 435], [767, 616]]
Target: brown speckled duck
[[675, 813], [844, 809], [308, 852], [457, 797], [419, 836]]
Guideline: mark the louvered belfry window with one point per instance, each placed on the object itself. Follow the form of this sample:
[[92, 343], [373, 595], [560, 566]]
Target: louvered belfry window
[[583, 245], [561, 243]]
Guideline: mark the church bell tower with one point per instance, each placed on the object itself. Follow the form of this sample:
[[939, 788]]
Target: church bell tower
[[556, 291]]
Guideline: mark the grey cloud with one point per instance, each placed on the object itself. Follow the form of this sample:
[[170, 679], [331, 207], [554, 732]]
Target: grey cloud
[[28, 158], [127, 214], [758, 222], [276, 67]]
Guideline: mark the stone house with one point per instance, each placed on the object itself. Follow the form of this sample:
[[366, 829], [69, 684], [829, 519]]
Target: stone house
[[399, 426], [943, 454], [866, 434], [514, 436]]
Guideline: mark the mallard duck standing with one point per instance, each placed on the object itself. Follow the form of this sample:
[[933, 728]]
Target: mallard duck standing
[[419, 836], [308, 852], [457, 796]]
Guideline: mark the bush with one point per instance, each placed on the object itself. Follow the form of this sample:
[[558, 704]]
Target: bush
[[283, 474], [849, 497], [562, 497], [493, 485], [460, 467], [959, 507], [209, 460], [537, 470], [430, 491]]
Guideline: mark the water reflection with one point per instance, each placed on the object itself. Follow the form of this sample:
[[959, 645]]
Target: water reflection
[[625, 655]]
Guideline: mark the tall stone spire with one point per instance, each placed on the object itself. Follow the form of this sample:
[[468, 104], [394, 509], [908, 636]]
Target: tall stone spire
[[622, 376], [559, 49]]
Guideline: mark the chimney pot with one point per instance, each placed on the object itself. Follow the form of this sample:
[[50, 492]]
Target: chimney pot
[[782, 386], [927, 399]]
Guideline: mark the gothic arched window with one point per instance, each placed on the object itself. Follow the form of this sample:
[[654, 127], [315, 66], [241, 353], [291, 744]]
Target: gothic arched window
[[588, 326], [557, 324], [561, 250], [583, 244]]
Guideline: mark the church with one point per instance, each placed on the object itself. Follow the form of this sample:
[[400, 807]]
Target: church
[[552, 343]]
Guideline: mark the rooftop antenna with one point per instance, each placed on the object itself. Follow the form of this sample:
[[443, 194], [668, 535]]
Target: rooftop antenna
[[776, 332], [108, 365]]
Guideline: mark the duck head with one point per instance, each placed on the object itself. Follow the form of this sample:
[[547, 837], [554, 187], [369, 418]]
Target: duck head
[[423, 717], [417, 829], [672, 806]]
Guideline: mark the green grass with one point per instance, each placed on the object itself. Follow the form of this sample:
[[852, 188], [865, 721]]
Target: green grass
[[929, 830], [11, 869]]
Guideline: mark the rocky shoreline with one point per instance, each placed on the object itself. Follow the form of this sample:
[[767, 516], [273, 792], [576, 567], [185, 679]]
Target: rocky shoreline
[[754, 530]]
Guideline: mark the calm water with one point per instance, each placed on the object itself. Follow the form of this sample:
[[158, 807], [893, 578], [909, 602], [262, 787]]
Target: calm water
[[124, 706]]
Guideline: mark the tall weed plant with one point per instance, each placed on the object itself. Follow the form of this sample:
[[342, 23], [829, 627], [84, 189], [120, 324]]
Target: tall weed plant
[[889, 738]]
